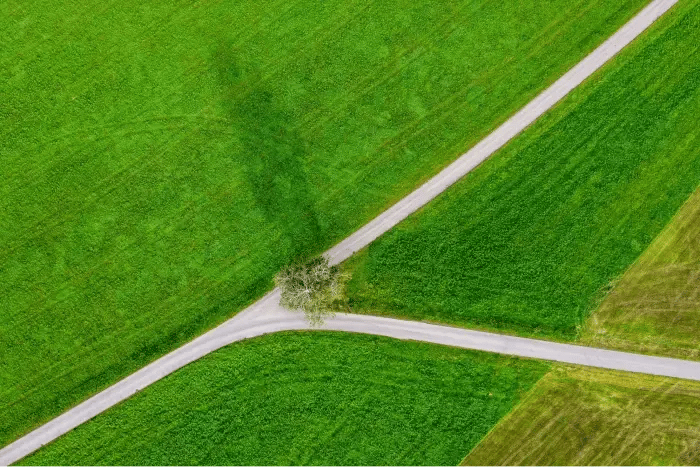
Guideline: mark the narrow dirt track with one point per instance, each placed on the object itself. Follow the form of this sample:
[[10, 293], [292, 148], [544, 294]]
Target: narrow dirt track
[[266, 316]]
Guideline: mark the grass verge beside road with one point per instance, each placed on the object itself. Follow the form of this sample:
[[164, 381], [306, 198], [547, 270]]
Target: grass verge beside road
[[530, 241], [160, 161], [583, 416], [307, 398]]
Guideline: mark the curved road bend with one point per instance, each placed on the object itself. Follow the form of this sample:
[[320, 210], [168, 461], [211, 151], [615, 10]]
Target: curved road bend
[[265, 316]]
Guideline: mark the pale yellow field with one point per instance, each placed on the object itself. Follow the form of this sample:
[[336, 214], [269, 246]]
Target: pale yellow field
[[655, 307], [580, 416]]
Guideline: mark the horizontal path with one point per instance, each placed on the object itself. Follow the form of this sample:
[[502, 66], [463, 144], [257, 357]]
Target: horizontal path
[[265, 316]]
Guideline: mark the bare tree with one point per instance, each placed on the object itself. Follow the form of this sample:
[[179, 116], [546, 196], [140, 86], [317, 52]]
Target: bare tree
[[314, 287]]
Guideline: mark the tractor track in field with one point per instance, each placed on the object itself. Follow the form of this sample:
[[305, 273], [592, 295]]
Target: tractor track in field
[[266, 316]]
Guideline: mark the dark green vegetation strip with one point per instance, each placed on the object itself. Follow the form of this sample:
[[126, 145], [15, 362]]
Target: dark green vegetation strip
[[585, 416], [530, 240], [310, 398], [159, 161]]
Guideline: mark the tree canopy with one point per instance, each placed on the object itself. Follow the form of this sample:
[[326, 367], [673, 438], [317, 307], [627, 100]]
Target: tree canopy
[[314, 287]]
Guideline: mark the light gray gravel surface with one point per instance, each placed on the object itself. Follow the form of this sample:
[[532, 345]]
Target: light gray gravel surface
[[501, 135], [266, 316]]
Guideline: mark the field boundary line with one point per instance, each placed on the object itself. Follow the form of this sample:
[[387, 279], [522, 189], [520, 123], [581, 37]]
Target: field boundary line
[[265, 316]]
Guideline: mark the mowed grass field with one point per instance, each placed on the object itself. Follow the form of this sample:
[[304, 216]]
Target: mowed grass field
[[579, 416], [530, 241], [307, 398], [160, 161], [655, 307]]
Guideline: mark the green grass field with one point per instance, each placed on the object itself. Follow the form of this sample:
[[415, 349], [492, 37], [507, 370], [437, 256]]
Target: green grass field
[[160, 161], [578, 416], [307, 398], [530, 240], [655, 307]]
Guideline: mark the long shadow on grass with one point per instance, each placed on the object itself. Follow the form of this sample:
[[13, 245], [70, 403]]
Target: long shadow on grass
[[272, 155]]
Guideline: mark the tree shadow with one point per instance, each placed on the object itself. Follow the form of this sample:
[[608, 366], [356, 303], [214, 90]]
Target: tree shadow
[[272, 154]]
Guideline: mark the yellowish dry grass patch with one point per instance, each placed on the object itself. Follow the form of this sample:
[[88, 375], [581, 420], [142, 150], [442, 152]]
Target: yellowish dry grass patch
[[582, 416], [655, 308]]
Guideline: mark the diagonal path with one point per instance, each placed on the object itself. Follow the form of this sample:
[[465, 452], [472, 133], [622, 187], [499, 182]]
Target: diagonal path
[[266, 316], [501, 135]]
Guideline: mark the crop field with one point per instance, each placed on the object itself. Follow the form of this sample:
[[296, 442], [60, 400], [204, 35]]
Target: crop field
[[309, 398], [578, 416], [531, 240], [655, 307], [160, 161]]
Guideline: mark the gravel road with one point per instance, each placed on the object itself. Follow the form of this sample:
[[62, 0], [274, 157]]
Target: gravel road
[[265, 316]]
